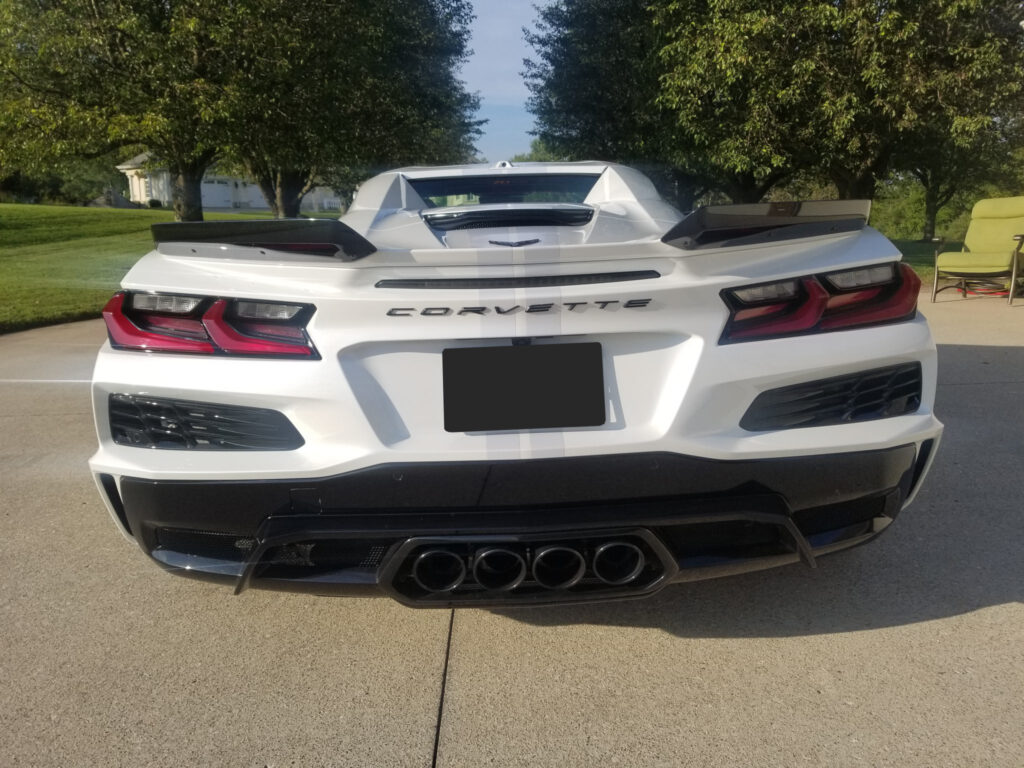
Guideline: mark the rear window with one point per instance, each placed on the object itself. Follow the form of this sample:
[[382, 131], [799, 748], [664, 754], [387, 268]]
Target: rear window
[[484, 190]]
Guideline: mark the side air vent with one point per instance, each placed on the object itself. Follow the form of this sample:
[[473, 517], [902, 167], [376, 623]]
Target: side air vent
[[865, 396], [541, 281], [156, 422], [575, 216]]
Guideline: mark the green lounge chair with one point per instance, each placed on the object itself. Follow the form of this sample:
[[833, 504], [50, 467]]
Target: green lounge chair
[[991, 251]]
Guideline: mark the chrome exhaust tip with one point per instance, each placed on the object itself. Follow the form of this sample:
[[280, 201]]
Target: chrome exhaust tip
[[438, 570], [497, 569], [558, 567], [618, 562]]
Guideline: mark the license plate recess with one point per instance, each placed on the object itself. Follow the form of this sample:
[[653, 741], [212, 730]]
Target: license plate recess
[[529, 386]]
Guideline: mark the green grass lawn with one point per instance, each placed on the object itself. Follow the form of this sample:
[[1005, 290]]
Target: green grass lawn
[[921, 256], [61, 263]]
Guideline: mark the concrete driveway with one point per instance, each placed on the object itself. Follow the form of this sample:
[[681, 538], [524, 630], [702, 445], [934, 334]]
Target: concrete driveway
[[907, 652]]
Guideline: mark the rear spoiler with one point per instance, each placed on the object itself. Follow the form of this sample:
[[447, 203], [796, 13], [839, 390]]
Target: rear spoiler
[[314, 237], [720, 226]]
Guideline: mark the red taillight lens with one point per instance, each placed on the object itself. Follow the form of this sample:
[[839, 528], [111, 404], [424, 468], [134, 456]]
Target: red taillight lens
[[896, 300], [884, 293], [199, 325], [798, 315], [127, 333], [231, 341]]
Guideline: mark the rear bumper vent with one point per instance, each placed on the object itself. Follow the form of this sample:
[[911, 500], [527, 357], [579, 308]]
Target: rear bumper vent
[[876, 394], [156, 422], [540, 281]]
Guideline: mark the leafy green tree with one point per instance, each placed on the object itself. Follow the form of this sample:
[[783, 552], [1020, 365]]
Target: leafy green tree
[[539, 153], [970, 124], [296, 93], [80, 78], [593, 84], [323, 93], [737, 95], [593, 89], [946, 168], [73, 182], [840, 86]]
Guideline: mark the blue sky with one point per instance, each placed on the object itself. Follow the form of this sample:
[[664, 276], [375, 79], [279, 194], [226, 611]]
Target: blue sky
[[494, 72]]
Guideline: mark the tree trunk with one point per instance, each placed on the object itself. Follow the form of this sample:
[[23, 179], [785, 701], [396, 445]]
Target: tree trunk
[[931, 211], [187, 193], [268, 190], [859, 186], [742, 188], [859, 183], [292, 186], [686, 189], [282, 189], [747, 188], [187, 186]]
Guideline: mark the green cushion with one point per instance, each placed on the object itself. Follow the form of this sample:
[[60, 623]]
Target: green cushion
[[985, 263], [998, 208], [994, 222]]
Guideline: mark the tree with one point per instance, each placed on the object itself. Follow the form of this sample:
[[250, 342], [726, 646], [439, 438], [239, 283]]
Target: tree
[[592, 86], [81, 78], [324, 92], [295, 93], [945, 167], [736, 94], [539, 153], [593, 89], [970, 124], [839, 86], [75, 182]]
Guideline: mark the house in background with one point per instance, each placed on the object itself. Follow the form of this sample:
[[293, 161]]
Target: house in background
[[219, 191]]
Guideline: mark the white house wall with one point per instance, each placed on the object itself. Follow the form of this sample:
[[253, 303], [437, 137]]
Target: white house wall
[[219, 192]]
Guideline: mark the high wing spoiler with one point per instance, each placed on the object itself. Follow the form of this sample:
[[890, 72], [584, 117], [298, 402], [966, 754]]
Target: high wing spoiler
[[314, 237], [720, 226]]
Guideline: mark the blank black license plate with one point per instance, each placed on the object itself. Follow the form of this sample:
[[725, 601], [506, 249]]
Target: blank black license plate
[[543, 386]]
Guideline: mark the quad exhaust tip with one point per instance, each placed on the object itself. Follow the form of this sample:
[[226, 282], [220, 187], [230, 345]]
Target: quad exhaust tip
[[438, 570], [558, 567], [498, 569], [617, 563]]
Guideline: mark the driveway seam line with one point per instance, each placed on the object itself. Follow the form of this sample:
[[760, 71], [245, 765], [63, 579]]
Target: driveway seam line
[[444, 686]]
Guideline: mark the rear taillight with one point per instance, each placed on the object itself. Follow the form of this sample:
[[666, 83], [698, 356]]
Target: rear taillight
[[882, 293], [209, 326]]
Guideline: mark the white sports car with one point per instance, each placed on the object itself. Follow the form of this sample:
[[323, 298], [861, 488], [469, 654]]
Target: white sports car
[[513, 384]]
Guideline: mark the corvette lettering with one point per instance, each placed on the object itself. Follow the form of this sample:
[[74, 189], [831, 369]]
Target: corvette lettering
[[567, 306]]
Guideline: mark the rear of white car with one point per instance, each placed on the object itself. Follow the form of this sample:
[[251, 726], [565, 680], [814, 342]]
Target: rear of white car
[[552, 399]]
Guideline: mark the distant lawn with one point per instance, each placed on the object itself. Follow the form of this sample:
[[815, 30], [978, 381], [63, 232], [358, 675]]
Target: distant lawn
[[59, 263], [921, 256]]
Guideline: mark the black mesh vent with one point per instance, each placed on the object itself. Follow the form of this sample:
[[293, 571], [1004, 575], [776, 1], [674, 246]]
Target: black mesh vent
[[155, 422], [875, 394], [219, 546], [541, 281]]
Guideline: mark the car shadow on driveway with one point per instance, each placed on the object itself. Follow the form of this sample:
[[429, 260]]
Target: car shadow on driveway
[[958, 548]]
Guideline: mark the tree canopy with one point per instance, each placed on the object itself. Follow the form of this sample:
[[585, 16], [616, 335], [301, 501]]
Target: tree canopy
[[323, 92], [594, 88], [293, 92], [746, 94]]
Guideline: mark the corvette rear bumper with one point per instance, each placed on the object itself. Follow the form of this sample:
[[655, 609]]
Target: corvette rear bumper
[[680, 518]]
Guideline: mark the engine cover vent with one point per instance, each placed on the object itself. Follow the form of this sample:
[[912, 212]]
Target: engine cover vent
[[567, 216]]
